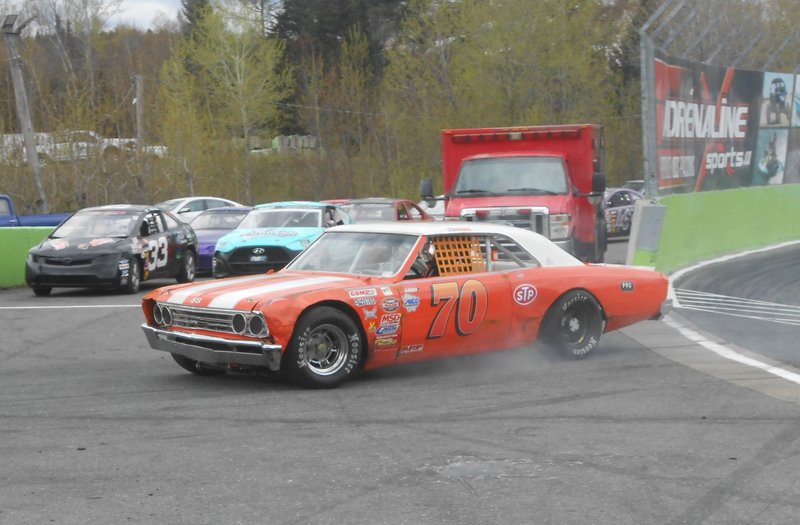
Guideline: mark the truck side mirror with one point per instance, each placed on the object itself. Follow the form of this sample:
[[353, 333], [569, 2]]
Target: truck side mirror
[[598, 183], [426, 189]]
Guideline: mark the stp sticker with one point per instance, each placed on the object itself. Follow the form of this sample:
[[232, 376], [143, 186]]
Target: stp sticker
[[524, 294]]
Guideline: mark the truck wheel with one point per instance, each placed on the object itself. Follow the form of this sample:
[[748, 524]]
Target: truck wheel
[[42, 291], [325, 350], [196, 367], [186, 273], [573, 324]]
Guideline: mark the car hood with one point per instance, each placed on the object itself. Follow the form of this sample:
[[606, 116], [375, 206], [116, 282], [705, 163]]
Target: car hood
[[258, 291], [267, 237], [81, 246]]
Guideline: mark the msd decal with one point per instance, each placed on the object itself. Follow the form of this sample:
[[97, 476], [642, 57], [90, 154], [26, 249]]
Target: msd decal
[[525, 294]]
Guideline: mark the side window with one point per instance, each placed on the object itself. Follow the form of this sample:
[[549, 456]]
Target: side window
[[402, 214], [414, 213], [171, 223], [199, 205], [215, 203], [459, 254], [505, 255]]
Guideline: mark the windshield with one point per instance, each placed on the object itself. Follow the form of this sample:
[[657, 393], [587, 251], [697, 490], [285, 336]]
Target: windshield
[[227, 220], [380, 254], [283, 218], [512, 176], [370, 212], [168, 205], [97, 224]]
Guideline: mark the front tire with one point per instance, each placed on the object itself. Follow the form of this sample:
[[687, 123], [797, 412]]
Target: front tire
[[326, 349], [573, 324], [187, 271], [42, 291]]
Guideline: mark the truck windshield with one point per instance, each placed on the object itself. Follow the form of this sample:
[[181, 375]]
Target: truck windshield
[[512, 176]]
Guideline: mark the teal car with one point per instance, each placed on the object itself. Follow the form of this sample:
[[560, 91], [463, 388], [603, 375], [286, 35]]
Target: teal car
[[272, 234]]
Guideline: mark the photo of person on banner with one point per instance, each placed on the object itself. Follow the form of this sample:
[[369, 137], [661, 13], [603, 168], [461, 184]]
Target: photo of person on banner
[[775, 99], [771, 156]]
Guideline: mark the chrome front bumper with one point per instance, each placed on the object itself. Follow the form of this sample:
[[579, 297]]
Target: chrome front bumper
[[214, 350]]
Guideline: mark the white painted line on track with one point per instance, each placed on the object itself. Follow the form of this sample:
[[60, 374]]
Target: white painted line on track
[[54, 307], [719, 349]]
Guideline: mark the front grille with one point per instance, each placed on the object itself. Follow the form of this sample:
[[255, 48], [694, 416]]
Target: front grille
[[245, 261], [66, 261], [202, 318], [536, 220]]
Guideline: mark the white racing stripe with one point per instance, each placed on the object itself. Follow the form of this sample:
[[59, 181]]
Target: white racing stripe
[[229, 300], [181, 295]]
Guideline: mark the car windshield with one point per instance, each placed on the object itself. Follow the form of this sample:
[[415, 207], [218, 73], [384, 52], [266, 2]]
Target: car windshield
[[212, 220], [97, 224], [168, 205], [366, 212], [380, 254], [283, 218], [512, 176]]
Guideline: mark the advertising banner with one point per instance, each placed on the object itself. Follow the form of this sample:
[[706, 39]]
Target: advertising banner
[[722, 128]]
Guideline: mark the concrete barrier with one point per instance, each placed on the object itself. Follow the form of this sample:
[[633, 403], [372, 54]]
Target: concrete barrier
[[14, 246], [699, 226]]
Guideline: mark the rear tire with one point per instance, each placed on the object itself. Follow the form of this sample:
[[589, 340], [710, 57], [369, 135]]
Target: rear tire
[[573, 324], [134, 276], [187, 271]]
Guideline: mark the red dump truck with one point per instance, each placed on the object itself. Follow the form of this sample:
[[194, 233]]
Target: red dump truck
[[548, 179]]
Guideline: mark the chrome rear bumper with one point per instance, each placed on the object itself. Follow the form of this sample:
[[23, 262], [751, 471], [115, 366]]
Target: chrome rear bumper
[[214, 350]]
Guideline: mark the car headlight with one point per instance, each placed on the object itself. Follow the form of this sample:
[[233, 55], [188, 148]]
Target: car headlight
[[559, 226]]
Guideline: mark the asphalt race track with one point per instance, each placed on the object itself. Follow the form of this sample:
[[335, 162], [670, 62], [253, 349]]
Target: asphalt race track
[[97, 428]]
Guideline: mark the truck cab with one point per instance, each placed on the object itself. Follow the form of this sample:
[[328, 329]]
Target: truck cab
[[547, 179]]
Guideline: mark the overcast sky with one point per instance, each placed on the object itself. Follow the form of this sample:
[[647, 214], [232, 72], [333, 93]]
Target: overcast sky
[[140, 13]]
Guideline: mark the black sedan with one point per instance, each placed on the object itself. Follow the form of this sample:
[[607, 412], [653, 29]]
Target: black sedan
[[115, 246]]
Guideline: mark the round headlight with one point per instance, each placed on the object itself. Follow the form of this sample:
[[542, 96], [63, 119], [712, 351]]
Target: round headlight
[[256, 326], [157, 317], [166, 315], [239, 323]]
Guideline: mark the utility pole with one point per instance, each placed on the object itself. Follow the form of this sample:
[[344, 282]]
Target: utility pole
[[11, 37], [138, 83]]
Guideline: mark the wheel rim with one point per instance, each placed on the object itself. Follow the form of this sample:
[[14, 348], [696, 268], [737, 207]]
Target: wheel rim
[[326, 349], [190, 266], [574, 325], [134, 277]]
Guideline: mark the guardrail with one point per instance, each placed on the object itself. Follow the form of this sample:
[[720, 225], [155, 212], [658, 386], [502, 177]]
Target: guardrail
[[678, 230], [14, 245]]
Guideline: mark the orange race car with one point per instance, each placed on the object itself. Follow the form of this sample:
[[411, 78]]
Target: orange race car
[[370, 295]]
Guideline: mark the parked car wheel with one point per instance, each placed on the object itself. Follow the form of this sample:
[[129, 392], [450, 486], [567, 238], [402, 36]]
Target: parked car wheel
[[134, 277], [326, 349], [187, 271], [42, 291]]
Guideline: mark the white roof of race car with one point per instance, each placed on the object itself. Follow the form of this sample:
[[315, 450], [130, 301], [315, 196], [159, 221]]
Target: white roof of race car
[[538, 245]]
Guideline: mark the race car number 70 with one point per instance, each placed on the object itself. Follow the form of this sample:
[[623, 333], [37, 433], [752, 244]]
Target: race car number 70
[[471, 303]]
